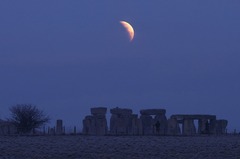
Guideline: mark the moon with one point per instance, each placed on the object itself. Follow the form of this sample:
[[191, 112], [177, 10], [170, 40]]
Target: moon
[[129, 29]]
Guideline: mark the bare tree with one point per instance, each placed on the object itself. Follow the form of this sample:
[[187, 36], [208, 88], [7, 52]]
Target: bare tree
[[27, 117]]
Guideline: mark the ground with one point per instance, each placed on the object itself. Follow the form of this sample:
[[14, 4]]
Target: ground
[[120, 147]]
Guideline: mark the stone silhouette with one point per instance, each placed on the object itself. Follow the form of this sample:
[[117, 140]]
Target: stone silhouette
[[59, 127], [123, 122], [148, 119], [157, 125], [150, 122], [188, 126], [221, 126], [96, 124]]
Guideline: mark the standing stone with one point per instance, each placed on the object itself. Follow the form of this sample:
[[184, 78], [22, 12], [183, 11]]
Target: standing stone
[[121, 121], [135, 124], [147, 124], [206, 123], [153, 121], [89, 125], [188, 127], [173, 127], [212, 126], [74, 130], [101, 124], [221, 126], [202, 126], [95, 124], [59, 127], [114, 124], [162, 120]]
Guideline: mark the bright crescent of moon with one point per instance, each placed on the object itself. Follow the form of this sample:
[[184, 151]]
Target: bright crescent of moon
[[129, 29]]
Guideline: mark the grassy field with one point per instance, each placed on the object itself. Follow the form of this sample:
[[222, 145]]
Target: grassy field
[[119, 147]]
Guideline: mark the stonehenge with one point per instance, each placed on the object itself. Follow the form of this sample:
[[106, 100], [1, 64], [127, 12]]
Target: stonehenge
[[173, 127], [153, 121], [206, 123], [221, 126], [59, 127], [96, 124], [150, 122], [123, 122]]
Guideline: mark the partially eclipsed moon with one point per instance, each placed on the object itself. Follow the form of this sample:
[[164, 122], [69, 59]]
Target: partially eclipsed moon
[[129, 29]]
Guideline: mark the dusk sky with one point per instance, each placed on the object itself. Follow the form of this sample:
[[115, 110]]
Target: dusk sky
[[68, 56]]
